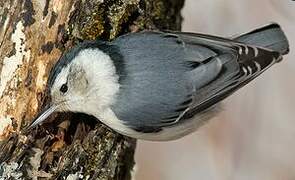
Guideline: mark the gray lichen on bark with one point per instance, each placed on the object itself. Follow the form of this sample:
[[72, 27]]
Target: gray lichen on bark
[[33, 35]]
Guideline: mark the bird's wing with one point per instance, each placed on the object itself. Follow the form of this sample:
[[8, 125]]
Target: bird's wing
[[238, 68], [169, 77]]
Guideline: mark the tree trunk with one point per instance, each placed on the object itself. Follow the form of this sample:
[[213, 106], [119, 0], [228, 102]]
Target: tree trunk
[[33, 35]]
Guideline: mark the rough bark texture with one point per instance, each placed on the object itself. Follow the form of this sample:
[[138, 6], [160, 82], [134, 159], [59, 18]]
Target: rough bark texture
[[33, 34]]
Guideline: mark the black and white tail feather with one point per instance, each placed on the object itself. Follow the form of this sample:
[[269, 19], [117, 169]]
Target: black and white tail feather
[[257, 51]]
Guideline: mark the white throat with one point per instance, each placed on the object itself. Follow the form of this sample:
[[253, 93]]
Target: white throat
[[101, 73], [102, 77]]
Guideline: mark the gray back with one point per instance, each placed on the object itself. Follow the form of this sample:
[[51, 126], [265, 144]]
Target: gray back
[[162, 74]]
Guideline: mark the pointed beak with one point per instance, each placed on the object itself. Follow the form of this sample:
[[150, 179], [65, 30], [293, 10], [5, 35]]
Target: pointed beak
[[43, 115]]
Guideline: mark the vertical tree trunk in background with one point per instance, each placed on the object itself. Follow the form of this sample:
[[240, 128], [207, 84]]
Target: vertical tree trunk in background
[[33, 35]]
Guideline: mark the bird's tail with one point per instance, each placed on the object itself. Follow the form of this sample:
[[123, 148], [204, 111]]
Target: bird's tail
[[270, 37], [264, 47]]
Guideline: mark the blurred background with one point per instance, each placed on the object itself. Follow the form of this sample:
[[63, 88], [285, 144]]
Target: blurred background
[[254, 137]]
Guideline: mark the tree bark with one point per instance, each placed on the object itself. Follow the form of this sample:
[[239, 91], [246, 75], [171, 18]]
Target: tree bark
[[33, 35]]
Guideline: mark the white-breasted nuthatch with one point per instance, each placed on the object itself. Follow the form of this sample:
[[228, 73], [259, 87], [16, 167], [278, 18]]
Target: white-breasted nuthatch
[[159, 85]]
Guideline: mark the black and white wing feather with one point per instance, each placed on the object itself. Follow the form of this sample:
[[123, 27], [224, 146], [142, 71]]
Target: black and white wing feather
[[238, 68]]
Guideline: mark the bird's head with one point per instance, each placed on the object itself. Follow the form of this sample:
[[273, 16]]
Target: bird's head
[[83, 80]]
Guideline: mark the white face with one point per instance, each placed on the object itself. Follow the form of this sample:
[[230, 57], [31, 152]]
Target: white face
[[71, 89], [88, 84]]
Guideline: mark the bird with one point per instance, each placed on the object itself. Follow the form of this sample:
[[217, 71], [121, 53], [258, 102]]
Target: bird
[[159, 85]]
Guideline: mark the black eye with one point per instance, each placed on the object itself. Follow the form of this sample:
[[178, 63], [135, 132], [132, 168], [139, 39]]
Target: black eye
[[64, 88]]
